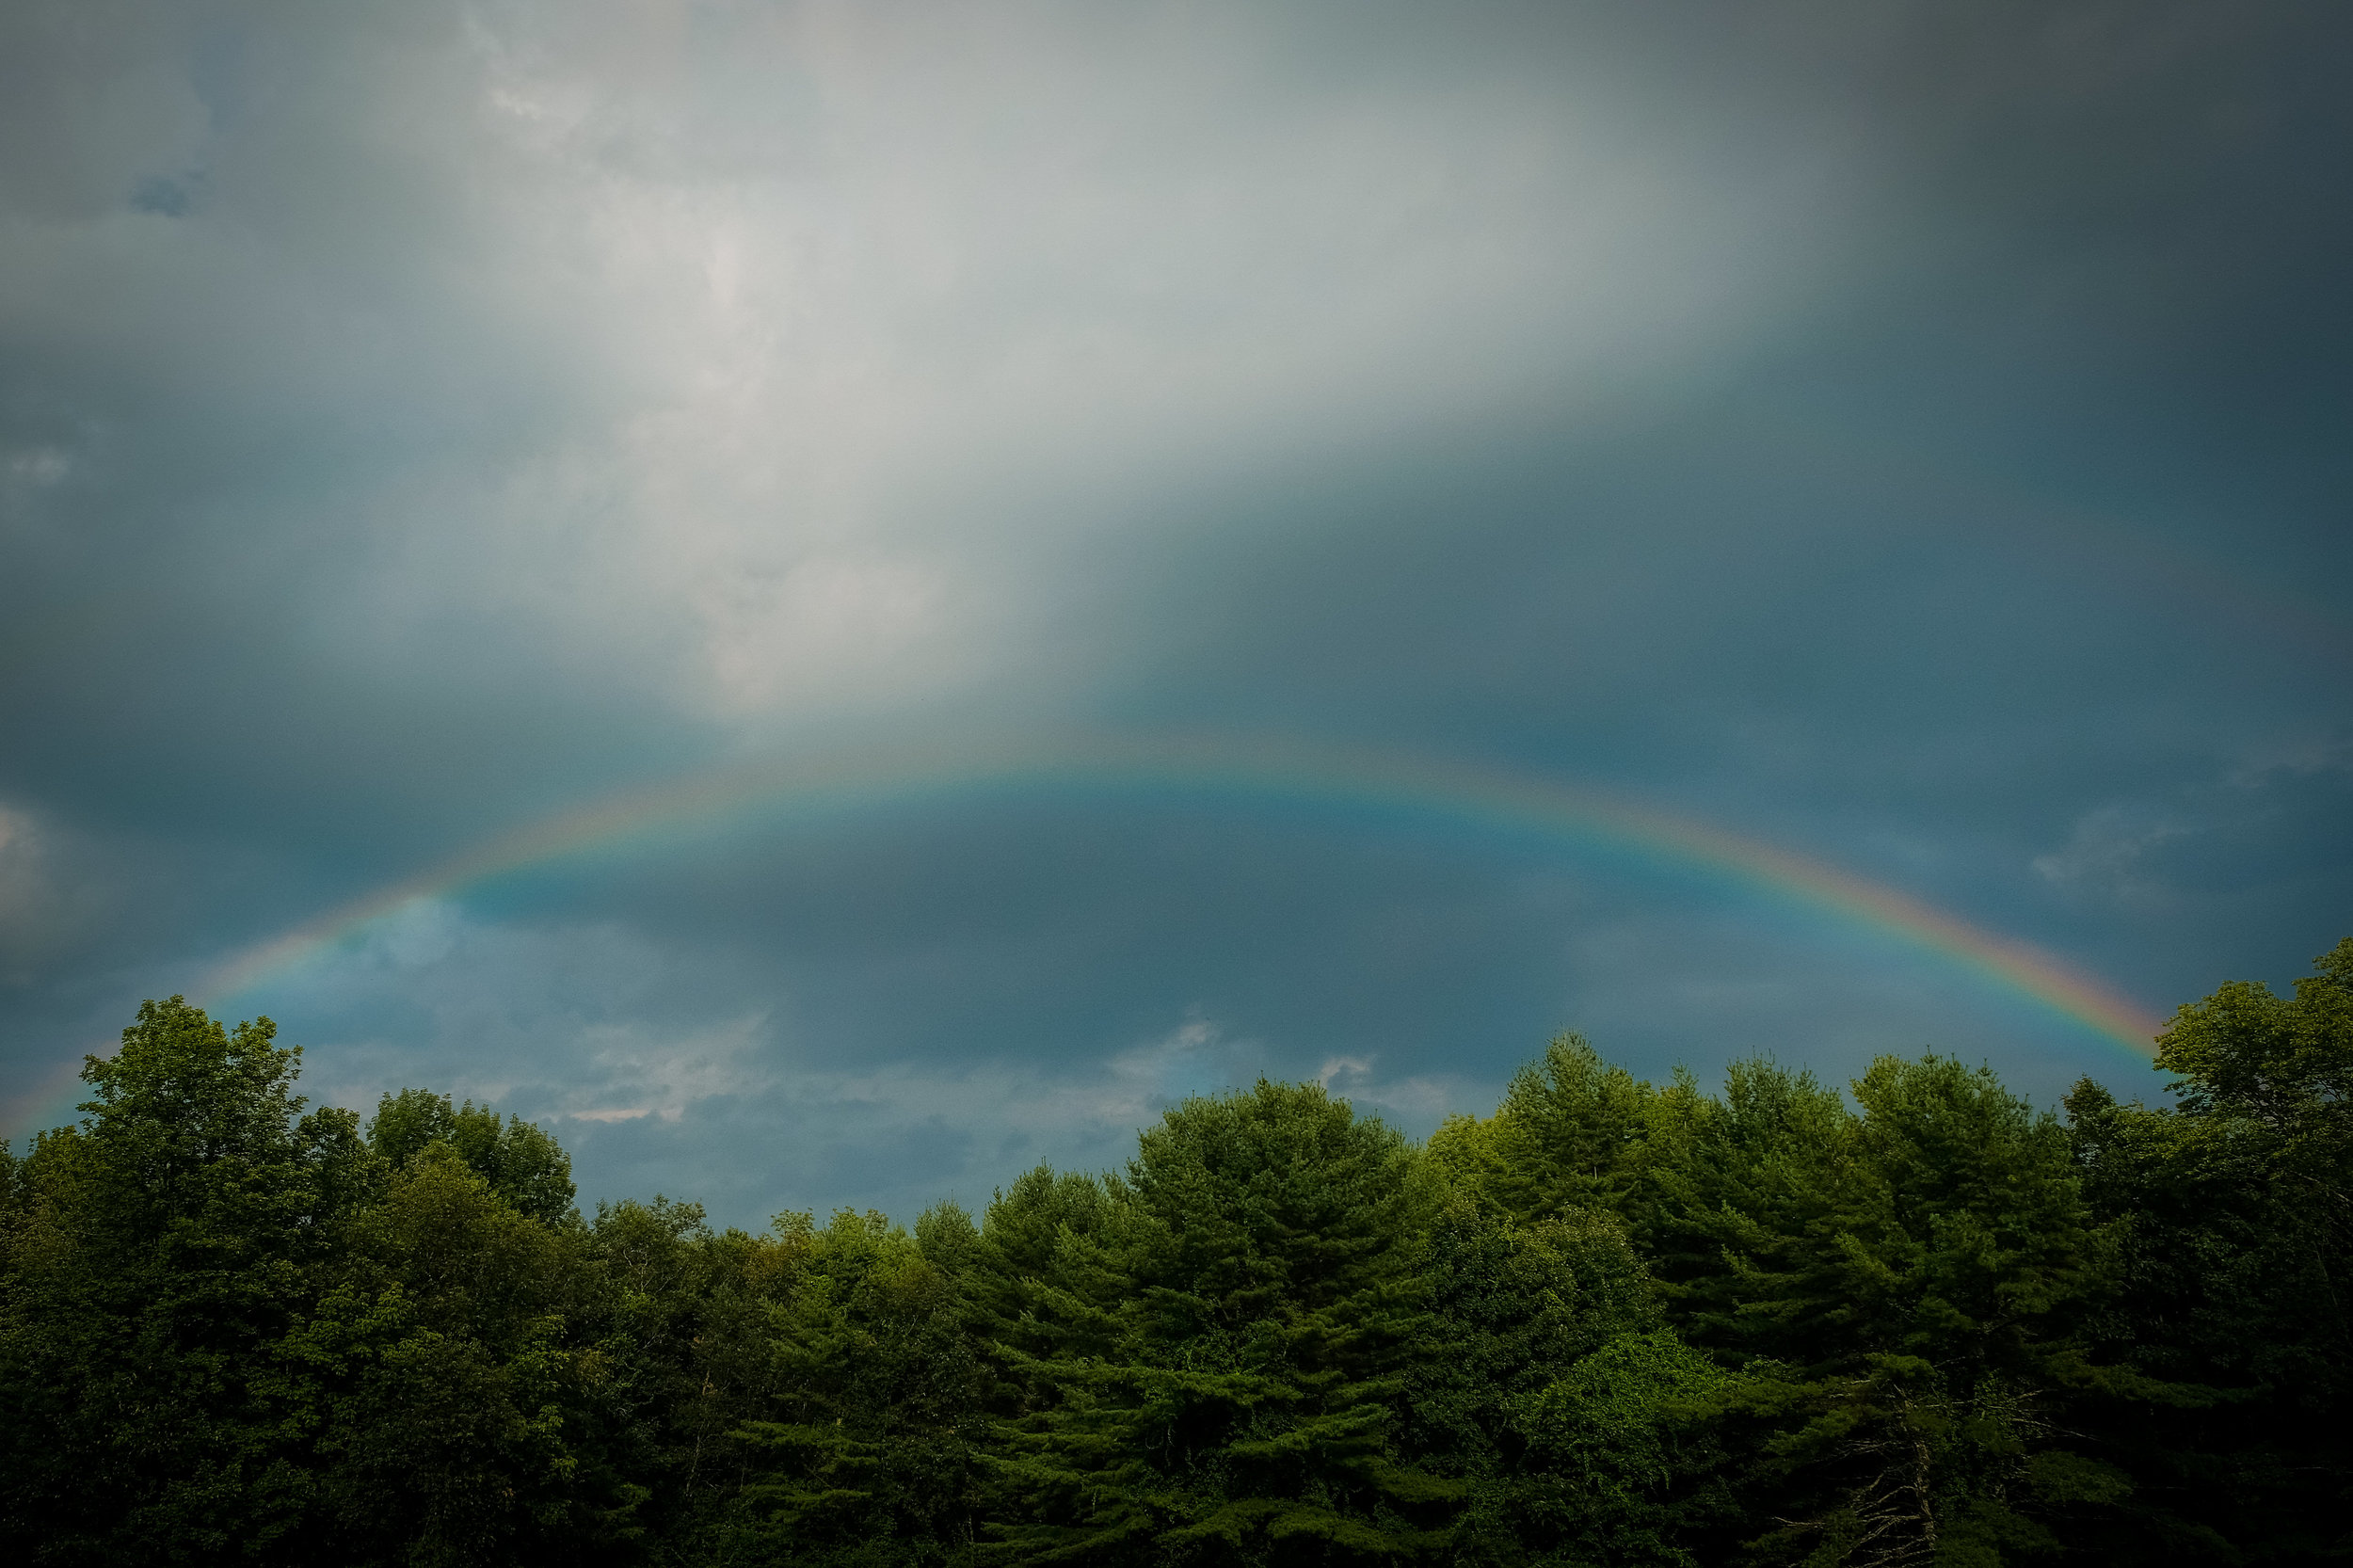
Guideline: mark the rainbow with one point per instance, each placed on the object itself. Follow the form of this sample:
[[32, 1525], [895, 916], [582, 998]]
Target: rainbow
[[1225, 765]]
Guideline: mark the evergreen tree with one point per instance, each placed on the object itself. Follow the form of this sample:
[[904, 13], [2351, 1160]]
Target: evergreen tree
[[1252, 1402], [1048, 1279], [1573, 1133], [1903, 1288], [867, 1450]]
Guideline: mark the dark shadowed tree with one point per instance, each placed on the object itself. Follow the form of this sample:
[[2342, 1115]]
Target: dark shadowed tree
[[2233, 1210], [160, 1251]]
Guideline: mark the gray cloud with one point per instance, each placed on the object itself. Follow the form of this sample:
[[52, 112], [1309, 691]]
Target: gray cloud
[[1911, 437]]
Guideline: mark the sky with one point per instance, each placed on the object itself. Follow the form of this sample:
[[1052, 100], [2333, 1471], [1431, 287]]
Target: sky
[[834, 601]]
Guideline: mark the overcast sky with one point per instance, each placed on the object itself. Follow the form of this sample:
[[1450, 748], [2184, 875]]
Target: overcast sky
[[1910, 436]]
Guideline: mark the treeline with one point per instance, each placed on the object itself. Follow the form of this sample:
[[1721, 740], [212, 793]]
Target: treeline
[[1617, 1322]]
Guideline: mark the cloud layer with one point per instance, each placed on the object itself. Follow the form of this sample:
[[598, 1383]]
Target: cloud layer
[[1914, 438]]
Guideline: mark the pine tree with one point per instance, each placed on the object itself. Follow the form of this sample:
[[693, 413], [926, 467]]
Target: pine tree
[[1903, 1288], [866, 1450], [1250, 1405], [1573, 1133]]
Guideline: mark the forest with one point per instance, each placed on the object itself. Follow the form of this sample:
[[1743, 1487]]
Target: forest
[[1909, 1320]]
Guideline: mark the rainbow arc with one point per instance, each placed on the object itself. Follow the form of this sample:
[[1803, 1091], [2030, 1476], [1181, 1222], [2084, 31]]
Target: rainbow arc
[[1226, 766]]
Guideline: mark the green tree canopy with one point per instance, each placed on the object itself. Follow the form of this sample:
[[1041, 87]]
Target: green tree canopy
[[523, 1163], [1914, 1322]]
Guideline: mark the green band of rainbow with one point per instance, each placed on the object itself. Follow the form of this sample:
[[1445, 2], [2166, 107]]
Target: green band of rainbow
[[1231, 765]]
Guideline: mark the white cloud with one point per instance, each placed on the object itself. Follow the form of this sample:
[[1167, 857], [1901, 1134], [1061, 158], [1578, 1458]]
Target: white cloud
[[39, 467], [662, 1075], [1352, 1068], [2105, 851], [2307, 755], [778, 359]]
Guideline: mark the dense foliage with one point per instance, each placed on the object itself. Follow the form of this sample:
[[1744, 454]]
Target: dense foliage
[[1617, 1322]]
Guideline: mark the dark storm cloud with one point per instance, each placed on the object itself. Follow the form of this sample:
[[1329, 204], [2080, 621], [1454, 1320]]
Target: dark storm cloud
[[1911, 435], [2034, 523]]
